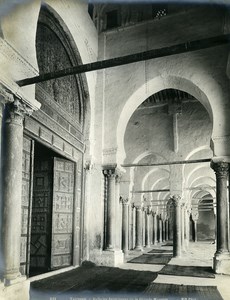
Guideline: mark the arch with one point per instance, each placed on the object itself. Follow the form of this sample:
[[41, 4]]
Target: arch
[[155, 85]]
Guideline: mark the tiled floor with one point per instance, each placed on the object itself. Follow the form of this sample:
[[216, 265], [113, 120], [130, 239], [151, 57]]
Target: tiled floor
[[138, 280]]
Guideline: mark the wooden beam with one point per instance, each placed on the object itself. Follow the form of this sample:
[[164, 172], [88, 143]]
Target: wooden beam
[[128, 59], [151, 191], [179, 162]]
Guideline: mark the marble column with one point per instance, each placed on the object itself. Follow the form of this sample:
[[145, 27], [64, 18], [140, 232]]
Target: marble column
[[125, 225], [222, 256], [144, 226], [195, 219], [118, 213], [187, 225], [159, 229], [166, 229], [134, 227], [139, 228], [182, 227], [12, 184], [151, 228], [177, 226], [163, 230], [154, 228], [111, 209], [148, 229], [130, 226]]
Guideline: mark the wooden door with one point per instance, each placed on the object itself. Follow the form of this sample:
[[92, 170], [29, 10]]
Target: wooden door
[[27, 180], [62, 213], [41, 216]]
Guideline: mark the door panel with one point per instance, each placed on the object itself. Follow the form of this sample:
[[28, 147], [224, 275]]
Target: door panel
[[62, 223], [41, 215], [27, 174]]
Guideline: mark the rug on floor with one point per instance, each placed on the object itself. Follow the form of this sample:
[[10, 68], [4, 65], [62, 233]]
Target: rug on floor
[[174, 292], [151, 259], [191, 271]]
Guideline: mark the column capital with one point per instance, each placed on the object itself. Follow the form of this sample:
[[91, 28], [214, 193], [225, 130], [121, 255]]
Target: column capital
[[16, 111], [5, 95], [124, 201], [113, 171], [220, 168], [195, 215], [138, 207], [176, 200]]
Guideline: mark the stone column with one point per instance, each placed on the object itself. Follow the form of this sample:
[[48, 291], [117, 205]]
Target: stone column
[[118, 210], [222, 256], [110, 230], [182, 227], [144, 226], [138, 228], [187, 225], [177, 226], [12, 185], [130, 208], [195, 216], [151, 228], [125, 225], [159, 229], [166, 229], [163, 230], [154, 228], [148, 231], [134, 227]]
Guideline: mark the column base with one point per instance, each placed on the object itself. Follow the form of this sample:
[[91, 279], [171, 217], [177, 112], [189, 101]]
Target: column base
[[112, 258], [221, 263], [138, 248], [19, 289]]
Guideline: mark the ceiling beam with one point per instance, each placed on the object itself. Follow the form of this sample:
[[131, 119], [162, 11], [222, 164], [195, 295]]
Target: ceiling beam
[[151, 191], [178, 162], [132, 58]]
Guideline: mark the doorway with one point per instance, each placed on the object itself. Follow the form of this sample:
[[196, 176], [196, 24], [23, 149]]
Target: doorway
[[48, 242]]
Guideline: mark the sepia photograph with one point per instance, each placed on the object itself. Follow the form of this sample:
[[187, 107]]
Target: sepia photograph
[[115, 150]]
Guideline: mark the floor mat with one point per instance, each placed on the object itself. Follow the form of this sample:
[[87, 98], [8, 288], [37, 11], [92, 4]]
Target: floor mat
[[151, 259], [91, 281], [174, 292], [193, 271], [161, 251]]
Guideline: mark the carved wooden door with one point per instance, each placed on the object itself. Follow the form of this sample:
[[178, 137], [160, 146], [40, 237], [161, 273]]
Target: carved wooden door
[[62, 213], [27, 180], [41, 215]]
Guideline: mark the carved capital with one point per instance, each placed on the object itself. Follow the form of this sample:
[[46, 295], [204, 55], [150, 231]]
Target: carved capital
[[110, 173], [138, 207], [5, 95], [195, 215], [16, 111], [176, 200], [124, 201], [88, 165], [220, 168]]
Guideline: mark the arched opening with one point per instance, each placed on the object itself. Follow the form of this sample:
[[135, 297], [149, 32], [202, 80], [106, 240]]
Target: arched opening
[[52, 227]]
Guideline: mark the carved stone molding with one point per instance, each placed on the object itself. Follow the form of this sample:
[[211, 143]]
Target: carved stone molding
[[220, 168]]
